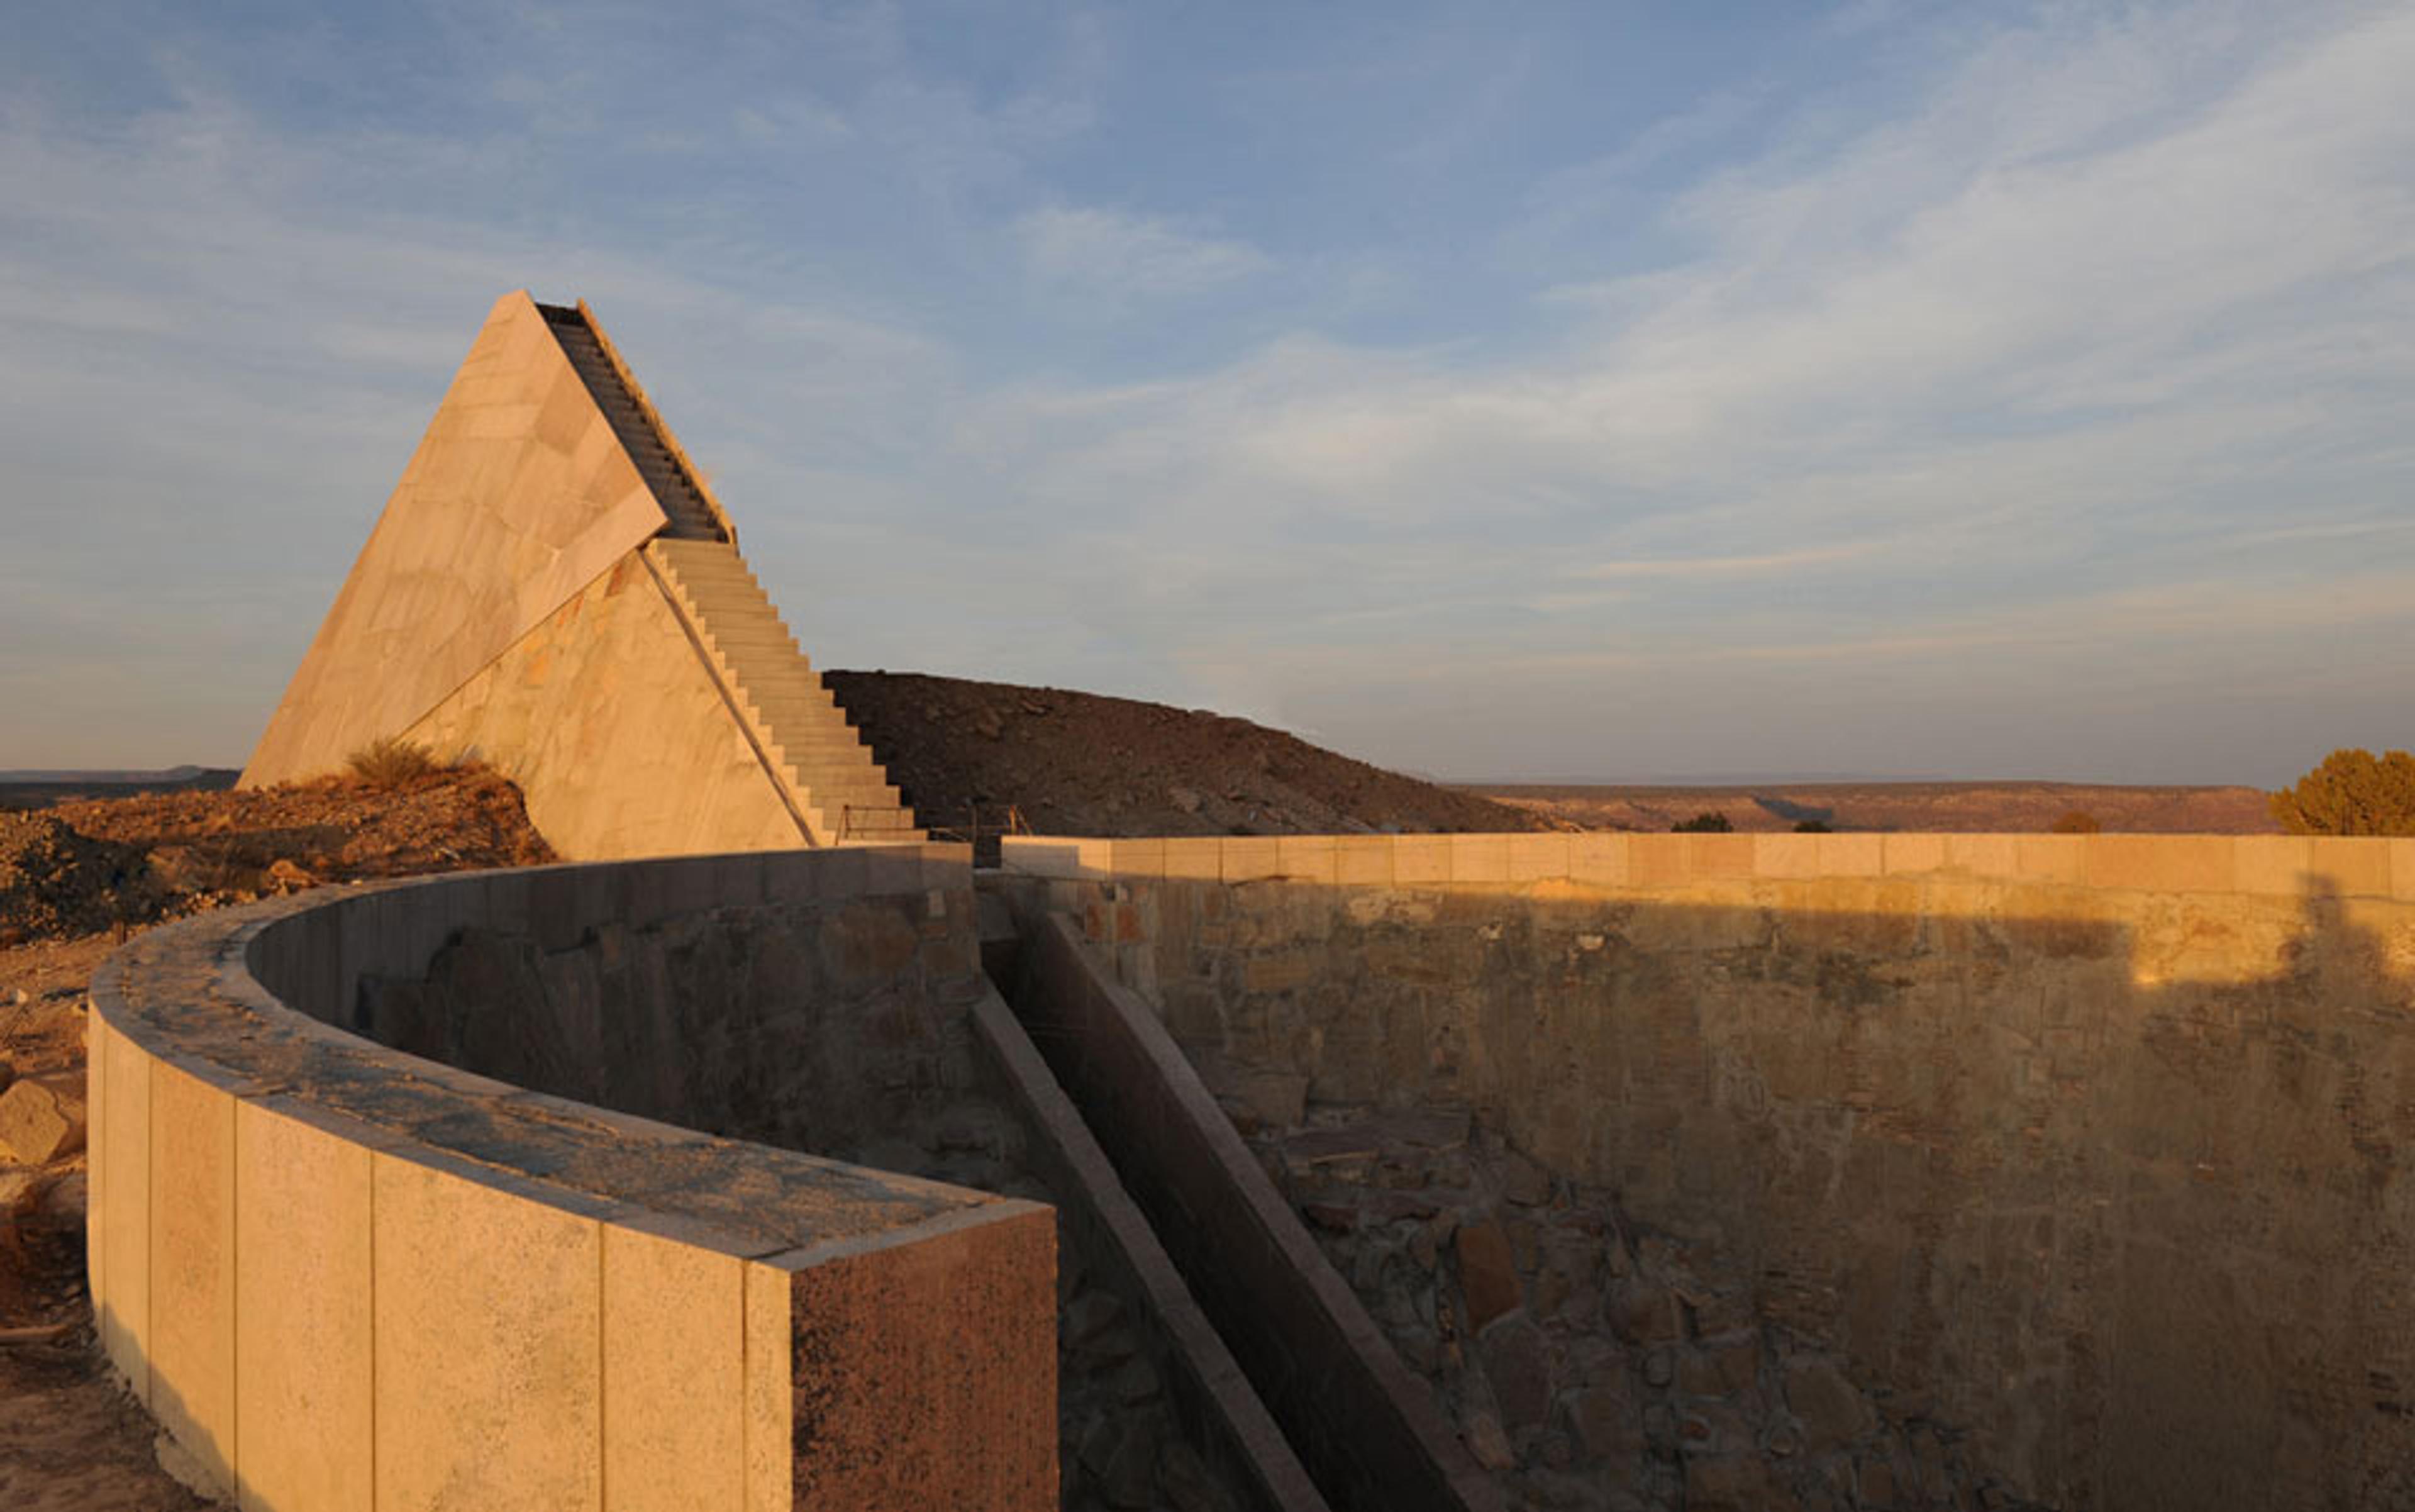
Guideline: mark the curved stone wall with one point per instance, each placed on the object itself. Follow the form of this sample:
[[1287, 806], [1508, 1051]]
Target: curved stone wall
[[2092, 1147], [344, 1276]]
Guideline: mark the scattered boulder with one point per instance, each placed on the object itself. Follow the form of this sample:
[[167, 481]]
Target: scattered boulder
[[57, 883], [43, 1118]]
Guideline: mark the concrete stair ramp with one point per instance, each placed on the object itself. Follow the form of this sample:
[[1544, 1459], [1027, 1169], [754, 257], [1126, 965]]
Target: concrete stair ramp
[[837, 788], [641, 430]]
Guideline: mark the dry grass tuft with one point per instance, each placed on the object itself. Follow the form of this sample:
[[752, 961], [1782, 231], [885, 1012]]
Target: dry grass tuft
[[391, 761]]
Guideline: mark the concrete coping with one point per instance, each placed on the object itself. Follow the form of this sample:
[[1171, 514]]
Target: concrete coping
[[341, 1275], [2277, 865], [195, 996]]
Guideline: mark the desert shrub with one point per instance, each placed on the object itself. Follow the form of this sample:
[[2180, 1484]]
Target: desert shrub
[[1812, 827], [2077, 822], [1711, 823], [2351, 793], [390, 761]]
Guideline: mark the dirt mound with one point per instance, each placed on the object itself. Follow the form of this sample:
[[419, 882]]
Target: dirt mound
[[56, 883], [81, 868], [1080, 763], [218, 848], [73, 880]]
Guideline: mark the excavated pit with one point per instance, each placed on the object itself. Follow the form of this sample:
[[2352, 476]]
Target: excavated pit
[[1814, 1171]]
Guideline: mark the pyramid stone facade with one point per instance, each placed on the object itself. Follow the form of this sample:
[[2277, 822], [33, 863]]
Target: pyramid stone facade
[[553, 590]]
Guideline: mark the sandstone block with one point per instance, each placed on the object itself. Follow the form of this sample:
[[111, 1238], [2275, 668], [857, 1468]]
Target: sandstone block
[[1646, 1313], [43, 1118], [1522, 1181], [1607, 1426], [302, 1312], [1487, 1274], [1519, 1368], [1726, 1483], [673, 1350], [192, 1236], [1832, 1410]]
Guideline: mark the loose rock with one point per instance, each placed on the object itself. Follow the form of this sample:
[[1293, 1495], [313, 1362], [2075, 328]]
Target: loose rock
[[43, 1118]]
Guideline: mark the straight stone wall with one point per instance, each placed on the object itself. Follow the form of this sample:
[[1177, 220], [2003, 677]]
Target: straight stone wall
[[2090, 1145]]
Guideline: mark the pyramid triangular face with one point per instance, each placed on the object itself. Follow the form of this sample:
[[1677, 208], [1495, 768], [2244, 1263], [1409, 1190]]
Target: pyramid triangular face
[[553, 590]]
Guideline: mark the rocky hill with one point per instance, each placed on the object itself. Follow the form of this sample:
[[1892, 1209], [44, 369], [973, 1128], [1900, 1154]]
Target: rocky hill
[[1082, 764]]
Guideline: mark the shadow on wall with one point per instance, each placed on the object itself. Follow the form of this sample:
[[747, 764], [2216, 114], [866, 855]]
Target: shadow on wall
[[2098, 1158]]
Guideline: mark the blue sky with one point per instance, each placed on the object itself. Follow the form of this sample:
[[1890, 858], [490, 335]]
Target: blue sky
[[1587, 391]]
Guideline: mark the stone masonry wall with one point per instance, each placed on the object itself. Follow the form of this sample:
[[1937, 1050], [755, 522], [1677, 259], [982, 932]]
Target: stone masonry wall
[[1588, 1362], [2090, 1150]]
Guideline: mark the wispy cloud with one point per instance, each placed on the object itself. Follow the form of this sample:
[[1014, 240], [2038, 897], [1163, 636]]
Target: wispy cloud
[[2059, 354], [1762, 566], [1109, 253]]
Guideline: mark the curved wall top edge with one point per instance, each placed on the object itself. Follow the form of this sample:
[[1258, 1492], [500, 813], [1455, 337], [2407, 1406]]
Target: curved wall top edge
[[241, 1000]]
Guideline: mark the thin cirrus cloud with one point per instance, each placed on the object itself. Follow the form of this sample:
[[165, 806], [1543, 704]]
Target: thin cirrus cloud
[[1108, 252], [1996, 393]]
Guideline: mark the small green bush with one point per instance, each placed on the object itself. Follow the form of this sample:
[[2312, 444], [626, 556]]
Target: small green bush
[[391, 761], [1711, 823], [1812, 827]]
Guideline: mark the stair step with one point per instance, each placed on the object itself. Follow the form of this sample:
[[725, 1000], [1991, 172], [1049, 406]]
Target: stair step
[[767, 660], [831, 800], [774, 657], [858, 817], [802, 725], [733, 587], [785, 698], [794, 695], [850, 754], [713, 569], [737, 615], [855, 785], [805, 724]]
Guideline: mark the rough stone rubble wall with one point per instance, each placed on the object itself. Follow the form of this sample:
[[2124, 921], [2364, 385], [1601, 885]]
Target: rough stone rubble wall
[[2086, 1145]]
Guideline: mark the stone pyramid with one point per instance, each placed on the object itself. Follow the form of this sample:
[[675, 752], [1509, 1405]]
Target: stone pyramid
[[553, 590]]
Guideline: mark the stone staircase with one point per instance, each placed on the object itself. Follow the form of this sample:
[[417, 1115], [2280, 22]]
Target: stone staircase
[[693, 518], [829, 771]]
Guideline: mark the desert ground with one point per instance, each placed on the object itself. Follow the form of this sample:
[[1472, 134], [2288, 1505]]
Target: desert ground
[[1952, 807]]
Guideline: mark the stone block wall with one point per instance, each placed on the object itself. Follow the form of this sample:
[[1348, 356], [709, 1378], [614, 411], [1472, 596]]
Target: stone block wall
[[2088, 1146]]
